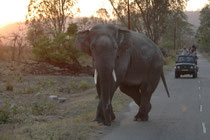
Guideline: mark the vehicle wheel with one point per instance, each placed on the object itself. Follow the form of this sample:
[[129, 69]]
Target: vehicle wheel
[[177, 75]]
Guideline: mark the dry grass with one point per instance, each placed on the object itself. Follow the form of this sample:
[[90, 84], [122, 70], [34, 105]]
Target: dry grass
[[27, 112]]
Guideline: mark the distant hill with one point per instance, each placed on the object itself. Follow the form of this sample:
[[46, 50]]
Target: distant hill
[[193, 18]]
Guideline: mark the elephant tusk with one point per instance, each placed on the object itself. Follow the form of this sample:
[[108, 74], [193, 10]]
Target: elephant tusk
[[114, 75], [95, 76]]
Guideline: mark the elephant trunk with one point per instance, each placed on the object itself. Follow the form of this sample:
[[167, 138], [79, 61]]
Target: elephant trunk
[[106, 79]]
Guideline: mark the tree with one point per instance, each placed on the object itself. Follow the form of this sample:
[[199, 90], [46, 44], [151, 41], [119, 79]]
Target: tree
[[47, 33], [203, 33], [103, 14], [122, 9], [58, 51], [150, 14], [178, 31], [52, 13]]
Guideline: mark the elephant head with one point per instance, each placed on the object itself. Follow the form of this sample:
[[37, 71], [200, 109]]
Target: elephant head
[[104, 43]]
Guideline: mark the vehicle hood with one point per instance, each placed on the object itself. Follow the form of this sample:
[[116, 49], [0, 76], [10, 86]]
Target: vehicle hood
[[185, 64]]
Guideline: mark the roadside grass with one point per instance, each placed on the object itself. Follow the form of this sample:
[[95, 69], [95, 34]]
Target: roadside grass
[[76, 124], [206, 55], [27, 112], [170, 61]]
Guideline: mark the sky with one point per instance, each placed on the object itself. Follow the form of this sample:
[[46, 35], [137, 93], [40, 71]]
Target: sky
[[15, 10]]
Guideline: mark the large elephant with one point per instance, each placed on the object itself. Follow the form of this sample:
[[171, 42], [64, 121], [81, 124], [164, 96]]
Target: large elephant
[[125, 59]]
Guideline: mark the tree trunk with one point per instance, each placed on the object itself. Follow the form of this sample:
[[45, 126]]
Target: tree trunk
[[129, 23]]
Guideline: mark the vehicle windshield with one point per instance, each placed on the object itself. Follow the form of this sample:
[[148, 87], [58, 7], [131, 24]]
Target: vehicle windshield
[[186, 59]]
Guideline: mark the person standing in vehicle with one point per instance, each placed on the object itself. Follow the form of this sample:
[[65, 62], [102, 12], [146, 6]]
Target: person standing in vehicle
[[185, 52]]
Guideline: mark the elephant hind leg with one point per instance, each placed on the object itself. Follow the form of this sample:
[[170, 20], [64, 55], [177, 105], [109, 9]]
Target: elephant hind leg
[[145, 106], [133, 92]]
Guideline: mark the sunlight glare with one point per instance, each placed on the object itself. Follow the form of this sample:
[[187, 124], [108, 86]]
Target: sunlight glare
[[12, 11], [89, 7], [194, 5]]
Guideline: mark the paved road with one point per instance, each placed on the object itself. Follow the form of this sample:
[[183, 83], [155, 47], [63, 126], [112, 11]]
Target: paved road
[[184, 116]]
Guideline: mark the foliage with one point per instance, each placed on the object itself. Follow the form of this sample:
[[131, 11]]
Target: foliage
[[81, 85], [149, 16], [166, 44], [103, 14], [56, 50], [53, 14], [4, 114], [203, 32], [47, 32], [178, 31]]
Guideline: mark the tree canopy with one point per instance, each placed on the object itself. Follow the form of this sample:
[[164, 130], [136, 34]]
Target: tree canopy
[[52, 13], [148, 16], [203, 33], [49, 34]]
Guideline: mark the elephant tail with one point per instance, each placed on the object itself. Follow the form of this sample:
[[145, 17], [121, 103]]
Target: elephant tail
[[165, 85]]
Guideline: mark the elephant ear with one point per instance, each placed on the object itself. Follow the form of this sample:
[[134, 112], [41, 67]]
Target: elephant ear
[[123, 40], [82, 42]]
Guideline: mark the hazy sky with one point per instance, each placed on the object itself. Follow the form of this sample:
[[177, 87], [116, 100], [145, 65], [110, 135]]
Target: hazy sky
[[15, 10]]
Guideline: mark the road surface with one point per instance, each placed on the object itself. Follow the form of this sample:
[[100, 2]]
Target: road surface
[[183, 116]]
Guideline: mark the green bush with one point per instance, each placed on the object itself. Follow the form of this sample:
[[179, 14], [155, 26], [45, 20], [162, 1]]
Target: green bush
[[57, 50], [169, 45], [84, 85], [5, 114], [81, 85]]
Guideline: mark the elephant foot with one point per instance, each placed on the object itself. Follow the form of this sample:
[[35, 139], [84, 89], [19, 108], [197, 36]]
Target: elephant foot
[[100, 119], [141, 117]]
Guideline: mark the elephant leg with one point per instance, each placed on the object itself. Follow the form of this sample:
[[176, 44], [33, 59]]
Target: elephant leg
[[145, 105], [99, 113], [133, 92]]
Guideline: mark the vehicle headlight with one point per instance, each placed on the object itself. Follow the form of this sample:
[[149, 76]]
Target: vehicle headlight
[[178, 67], [191, 67]]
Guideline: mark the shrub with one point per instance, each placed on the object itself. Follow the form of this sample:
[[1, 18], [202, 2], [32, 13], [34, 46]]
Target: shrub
[[9, 86], [5, 114], [57, 50]]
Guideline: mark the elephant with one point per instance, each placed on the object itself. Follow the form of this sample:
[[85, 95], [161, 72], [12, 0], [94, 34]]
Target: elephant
[[125, 59]]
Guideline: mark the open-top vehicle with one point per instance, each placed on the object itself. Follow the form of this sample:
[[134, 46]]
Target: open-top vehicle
[[186, 65]]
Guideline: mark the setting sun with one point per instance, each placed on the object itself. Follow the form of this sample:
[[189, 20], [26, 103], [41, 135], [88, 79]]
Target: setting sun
[[194, 5]]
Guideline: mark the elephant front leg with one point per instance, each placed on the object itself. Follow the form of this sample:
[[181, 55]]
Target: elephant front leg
[[99, 113], [100, 116]]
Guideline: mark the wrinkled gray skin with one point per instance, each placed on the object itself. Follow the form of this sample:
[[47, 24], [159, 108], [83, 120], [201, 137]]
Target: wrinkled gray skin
[[136, 60]]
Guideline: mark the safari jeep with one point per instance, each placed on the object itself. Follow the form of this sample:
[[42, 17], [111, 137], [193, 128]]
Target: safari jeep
[[186, 65]]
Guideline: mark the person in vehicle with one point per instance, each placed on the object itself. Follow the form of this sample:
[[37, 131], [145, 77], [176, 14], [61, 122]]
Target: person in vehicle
[[192, 51], [185, 52]]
